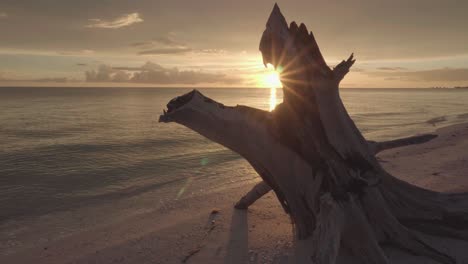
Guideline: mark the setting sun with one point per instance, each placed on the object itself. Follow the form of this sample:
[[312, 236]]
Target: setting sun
[[270, 79]]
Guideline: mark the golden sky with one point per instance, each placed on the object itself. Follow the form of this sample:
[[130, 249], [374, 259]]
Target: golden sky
[[214, 43]]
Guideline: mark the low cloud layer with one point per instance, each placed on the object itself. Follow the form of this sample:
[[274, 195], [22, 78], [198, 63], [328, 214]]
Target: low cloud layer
[[164, 40], [169, 45], [3, 15], [84, 52], [122, 21], [391, 68], [436, 75], [158, 51], [40, 80], [161, 45], [152, 73]]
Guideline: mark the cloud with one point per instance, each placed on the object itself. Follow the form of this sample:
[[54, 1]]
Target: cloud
[[356, 69], [125, 68], [55, 80], [122, 21], [152, 73], [159, 51], [3, 15], [168, 45], [161, 45], [443, 74], [40, 80], [148, 66], [142, 44], [164, 40], [77, 52], [168, 40], [104, 73], [392, 68], [211, 51]]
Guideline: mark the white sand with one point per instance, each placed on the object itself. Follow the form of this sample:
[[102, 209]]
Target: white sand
[[262, 234]]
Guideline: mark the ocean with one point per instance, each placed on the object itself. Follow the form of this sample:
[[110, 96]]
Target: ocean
[[63, 148]]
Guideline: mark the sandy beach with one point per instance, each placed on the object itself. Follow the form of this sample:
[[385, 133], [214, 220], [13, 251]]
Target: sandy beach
[[206, 228]]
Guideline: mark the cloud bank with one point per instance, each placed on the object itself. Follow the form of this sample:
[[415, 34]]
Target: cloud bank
[[164, 40], [159, 51], [168, 45], [122, 21], [152, 73], [435, 75], [161, 45], [40, 80]]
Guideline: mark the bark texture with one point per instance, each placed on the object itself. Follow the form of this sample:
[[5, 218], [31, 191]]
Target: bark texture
[[262, 188], [322, 170]]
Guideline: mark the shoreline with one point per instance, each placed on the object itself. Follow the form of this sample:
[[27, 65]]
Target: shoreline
[[262, 234]]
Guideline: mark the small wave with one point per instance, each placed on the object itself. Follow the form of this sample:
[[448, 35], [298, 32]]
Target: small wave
[[41, 133], [435, 120], [378, 114], [462, 116]]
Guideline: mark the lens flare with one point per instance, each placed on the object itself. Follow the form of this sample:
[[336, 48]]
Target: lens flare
[[184, 188]]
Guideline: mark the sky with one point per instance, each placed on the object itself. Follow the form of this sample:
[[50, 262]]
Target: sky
[[214, 43]]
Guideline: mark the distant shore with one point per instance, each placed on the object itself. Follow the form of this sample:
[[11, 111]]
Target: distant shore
[[206, 228]]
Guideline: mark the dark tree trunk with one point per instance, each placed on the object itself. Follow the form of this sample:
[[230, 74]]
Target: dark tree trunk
[[323, 171]]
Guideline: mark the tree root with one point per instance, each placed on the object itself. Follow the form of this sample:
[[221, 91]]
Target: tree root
[[394, 233], [434, 213], [253, 195], [327, 235], [263, 188], [401, 142]]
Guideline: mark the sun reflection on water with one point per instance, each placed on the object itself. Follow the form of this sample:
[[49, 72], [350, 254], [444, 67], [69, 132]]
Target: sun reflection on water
[[269, 77], [272, 98]]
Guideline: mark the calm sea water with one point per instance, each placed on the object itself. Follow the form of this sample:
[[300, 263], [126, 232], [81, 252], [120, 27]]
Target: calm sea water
[[61, 148]]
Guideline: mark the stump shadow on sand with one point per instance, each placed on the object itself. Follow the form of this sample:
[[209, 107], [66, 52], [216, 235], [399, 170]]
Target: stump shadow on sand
[[238, 244]]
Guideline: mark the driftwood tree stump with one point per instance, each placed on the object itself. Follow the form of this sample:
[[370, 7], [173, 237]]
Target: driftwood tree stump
[[322, 170]]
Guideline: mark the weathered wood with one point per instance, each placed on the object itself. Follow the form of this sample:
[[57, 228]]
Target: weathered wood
[[262, 188], [321, 168], [377, 147], [327, 235], [359, 235], [253, 195]]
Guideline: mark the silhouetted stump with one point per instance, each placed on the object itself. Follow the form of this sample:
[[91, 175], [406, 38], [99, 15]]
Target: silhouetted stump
[[322, 170]]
